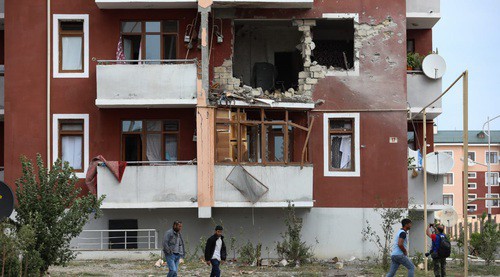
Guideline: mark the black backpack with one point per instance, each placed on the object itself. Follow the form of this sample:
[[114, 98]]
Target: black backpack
[[444, 249]]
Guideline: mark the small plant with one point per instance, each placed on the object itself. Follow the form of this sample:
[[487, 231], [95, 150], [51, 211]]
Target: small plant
[[258, 252], [201, 246], [232, 246], [414, 61], [486, 242], [292, 247], [248, 254], [417, 258]]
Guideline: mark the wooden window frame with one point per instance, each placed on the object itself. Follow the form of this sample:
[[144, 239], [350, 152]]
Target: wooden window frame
[[452, 179], [355, 171], [72, 134], [144, 132], [341, 132], [162, 35], [263, 123], [62, 33], [452, 198]]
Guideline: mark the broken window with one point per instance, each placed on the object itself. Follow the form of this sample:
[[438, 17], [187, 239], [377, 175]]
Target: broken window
[[266, 54], [260, 136], [334, 43], [150, 140], [150, 40], [341, 144]]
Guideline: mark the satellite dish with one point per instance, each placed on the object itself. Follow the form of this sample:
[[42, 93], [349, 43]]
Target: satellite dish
[[439, 163], [448, 216], [434, 66], [6, 201]]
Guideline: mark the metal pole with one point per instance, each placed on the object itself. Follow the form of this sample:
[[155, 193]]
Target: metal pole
[[125, 239], [424, 154], [466, 168], [101, 241], [488, 175]]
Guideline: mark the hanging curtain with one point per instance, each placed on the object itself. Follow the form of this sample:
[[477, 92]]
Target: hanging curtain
[[341, 151], [72, 151], [171, 147], [153, 147], [72, 53], [120, 52]]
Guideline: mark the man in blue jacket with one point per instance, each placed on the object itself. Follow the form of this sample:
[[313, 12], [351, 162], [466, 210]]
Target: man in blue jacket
[[215, 251], [437, 236]]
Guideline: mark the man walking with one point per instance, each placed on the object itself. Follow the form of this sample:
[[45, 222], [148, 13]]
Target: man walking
[[399, 255], [173, 248], [439, 251], [215, 251]]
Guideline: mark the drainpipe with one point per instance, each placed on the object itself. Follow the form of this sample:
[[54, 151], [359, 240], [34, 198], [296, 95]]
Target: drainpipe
[[48, 83]]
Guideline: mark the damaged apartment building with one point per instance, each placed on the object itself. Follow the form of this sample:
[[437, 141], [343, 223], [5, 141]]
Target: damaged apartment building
[[216, 111]]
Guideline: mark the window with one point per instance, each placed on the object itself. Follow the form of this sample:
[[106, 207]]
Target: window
[[448, 178], [471, 207], [150, 140], [472, 175], [71, 141], [471, 196], [447, 152], [341, 149], [150, 40], [448, 199], [493, 203], [472, 156], [257, 136], [492, 179], [410, 46], [491, 157], [472, 185], [70, 45], [122, 239], [411, 140]]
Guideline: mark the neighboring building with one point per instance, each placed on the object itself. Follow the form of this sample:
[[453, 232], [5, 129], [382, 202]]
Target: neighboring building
[[2, 100], [310, 97], [451, 142]]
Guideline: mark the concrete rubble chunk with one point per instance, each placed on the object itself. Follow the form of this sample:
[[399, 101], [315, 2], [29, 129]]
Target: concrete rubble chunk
[[316, 68], [265, 262], [303, 74], [283, 263], [227, 63], [338, 265], [311, 81]]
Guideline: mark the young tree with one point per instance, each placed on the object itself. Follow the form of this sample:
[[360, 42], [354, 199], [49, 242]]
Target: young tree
[[50, 202]]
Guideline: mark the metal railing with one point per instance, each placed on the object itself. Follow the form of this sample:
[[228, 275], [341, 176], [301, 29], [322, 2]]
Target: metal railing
[[175, 61], [157, 163], [102, 240]]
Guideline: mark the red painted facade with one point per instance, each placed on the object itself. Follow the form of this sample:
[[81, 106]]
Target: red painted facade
[[378, 94], [481, 191]]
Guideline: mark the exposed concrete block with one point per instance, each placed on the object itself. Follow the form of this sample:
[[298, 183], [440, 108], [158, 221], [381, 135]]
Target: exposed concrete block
[[316, 68], [318, 75], [307, 39], [308, 87], [303, 74], [309, 22], [219, 69], [307, 64], [226, 75], [308, 51], [227, 63], [304, 28], [311, 81], [302, 81]]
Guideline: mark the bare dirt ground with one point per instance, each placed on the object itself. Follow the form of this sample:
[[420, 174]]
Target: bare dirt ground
[[123, 268]]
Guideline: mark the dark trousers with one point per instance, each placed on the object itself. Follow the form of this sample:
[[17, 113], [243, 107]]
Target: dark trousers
[[215, 268], [439, 267]]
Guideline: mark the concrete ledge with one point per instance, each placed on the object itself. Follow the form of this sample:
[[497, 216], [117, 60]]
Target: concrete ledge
[[283, 204], [116, 254], [145, 103], [149, 205]]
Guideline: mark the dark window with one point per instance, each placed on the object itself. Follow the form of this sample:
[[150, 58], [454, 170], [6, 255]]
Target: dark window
[[334, 41], [410, 46], [121, 239], [341, 144]]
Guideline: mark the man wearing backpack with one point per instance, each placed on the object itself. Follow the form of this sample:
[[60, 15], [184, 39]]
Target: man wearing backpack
[[441, 249]]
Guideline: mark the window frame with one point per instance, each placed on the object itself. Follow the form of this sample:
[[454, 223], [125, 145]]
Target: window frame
[[474, 194], [475, 175], [452, 198], [56, 141], [475, 186], [161, 33], [327, 172], [486, 177], [472, 152], [452, 179], [492, 195], [486, 156], [144, 134], [444, 152], [475, 207], [57, 71]]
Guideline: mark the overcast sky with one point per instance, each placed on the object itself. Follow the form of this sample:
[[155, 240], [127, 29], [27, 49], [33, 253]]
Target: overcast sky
[[468, 37]]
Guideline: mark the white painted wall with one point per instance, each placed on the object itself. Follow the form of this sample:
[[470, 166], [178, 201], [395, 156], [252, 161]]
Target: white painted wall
[[422, 90], [284, 183], [149, 187], [337, 230], [146, 4], [434, 189], [144, 85], [423, 6]]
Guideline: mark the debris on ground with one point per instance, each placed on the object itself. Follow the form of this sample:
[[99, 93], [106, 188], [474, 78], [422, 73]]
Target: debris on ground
[[283, 263]]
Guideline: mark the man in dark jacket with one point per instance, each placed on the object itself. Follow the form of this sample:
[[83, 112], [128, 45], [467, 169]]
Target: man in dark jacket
[[215, 251], [173, 248]]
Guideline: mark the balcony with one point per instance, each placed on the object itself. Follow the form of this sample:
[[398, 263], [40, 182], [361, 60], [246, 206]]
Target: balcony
[[283, 4], [422, 14], [146, 4], [149, 186], [146, 84], [422, 91], [285, 183], [434, 191]]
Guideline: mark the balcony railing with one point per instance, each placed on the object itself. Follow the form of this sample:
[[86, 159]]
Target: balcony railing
[[152, 185], [146, 4], [434, 191], [146, 83], [422, 90], [422, 14], [264, 4], [285, 183], [116, 239]]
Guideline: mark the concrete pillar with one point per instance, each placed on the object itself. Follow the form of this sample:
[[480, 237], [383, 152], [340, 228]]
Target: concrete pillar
[[205, 118]]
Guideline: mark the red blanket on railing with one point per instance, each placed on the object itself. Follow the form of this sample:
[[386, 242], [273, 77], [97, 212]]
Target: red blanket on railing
[[116, 167]]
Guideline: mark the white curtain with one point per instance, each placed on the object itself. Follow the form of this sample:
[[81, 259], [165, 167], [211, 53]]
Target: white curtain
[[72, 151], [345, 148], [171, 147], [153, 147], [72, 53]]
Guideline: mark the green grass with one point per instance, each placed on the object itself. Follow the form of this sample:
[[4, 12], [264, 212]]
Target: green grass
[[451, 270]]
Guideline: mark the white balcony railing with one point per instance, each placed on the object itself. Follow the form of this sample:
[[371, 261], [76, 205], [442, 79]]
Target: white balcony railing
[[151, 83], [149, 186], [285, 183], [146, 4], [116, 239], [422, 90], [283, 4], [434, 191]]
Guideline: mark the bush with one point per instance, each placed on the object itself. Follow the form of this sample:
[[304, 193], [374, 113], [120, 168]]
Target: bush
[[292, 247], [247, 254], [486, 242]]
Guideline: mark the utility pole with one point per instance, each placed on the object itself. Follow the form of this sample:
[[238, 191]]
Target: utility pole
[[488, 162]]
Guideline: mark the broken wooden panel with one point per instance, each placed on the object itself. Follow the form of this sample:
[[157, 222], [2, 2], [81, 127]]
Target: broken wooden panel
[[246, 184]]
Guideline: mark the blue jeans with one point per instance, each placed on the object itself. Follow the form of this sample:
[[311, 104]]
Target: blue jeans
[[173, 264], [215, 268], [398, 260]]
